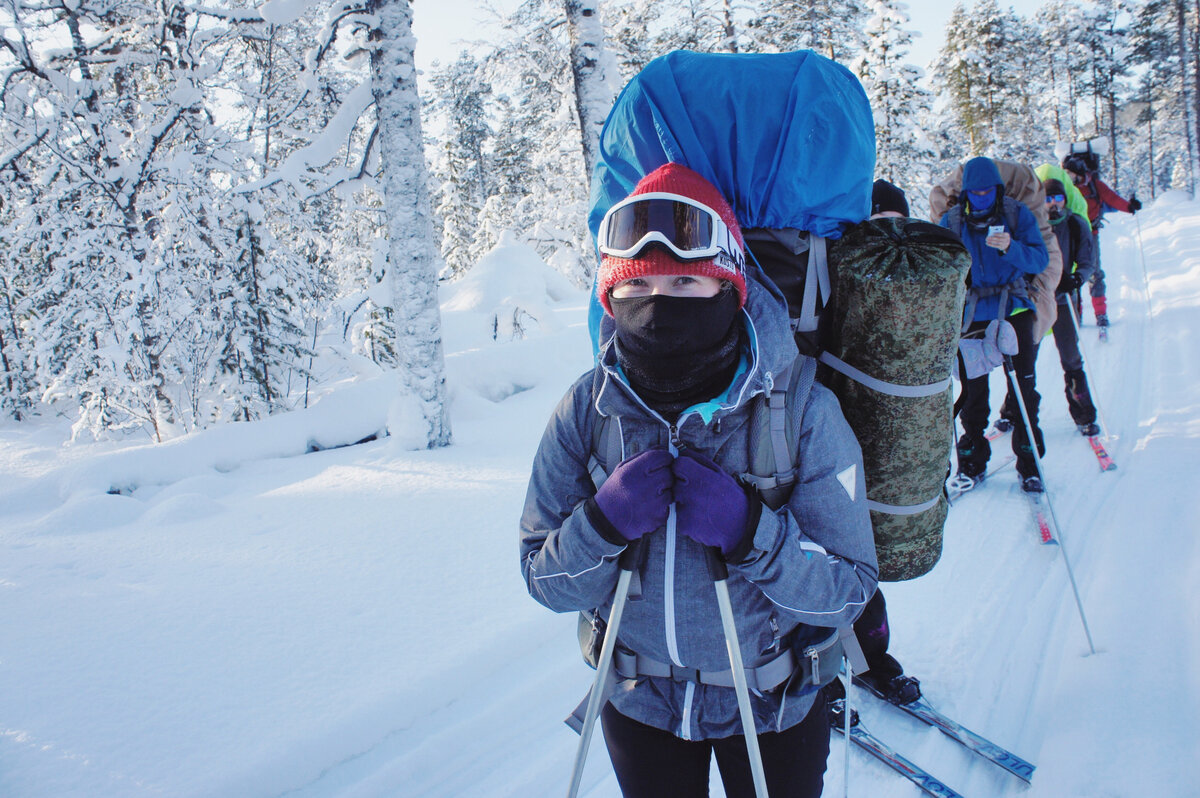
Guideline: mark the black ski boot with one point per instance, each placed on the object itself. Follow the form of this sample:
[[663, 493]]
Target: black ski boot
[[835, 710], [1032, 485], [898, 690]]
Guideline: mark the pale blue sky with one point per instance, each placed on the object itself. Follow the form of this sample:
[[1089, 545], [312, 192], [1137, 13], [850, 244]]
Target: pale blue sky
[[442, 25]]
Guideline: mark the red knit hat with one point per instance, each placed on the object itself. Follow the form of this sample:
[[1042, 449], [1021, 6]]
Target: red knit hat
[[673, 178]]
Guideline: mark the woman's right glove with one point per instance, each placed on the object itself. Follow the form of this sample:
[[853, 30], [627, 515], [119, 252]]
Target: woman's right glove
[[636, 498], [712, 508]]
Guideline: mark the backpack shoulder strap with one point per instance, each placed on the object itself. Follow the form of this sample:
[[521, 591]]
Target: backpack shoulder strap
[[774, 427], [1012, 213], [607, 448]]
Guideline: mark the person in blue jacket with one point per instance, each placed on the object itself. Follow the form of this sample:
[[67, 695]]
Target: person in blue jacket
[[1006, 248], [696, 338]]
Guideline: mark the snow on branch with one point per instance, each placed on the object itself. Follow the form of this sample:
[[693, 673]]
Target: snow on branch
[[304, 162]]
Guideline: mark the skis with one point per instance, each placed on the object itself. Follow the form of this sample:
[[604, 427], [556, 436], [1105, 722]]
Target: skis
[[1103, 334], [1038, 507], [923, 711], [954, 491], [918, 776], [1102, 455]]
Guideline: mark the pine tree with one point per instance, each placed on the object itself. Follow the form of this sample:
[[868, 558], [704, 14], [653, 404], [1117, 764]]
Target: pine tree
[[465, 179], [897, 99], [830, 27]]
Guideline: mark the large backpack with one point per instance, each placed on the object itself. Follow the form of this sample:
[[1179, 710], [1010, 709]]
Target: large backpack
[[788, 138]]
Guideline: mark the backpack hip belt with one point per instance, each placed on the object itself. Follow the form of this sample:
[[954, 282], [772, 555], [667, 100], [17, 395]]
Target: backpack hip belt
[[816, 665]]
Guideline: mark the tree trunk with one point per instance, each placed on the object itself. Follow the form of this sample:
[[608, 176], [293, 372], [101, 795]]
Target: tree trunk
[[1150, 143], [413, 262], [594, 93], [1181, 29], [730, 31]]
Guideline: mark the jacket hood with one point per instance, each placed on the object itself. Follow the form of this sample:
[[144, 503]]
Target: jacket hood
[[980, 174]]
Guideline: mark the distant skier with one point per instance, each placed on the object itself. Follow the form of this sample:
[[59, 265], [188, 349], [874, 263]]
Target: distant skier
[[1082, 167], [1001, 259], [694, 341]]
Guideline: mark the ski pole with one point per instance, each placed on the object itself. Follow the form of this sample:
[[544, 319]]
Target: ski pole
[[719, 573], [848, 707], [627, 562], [1087, 365], [1011, 370], [1145, 272]]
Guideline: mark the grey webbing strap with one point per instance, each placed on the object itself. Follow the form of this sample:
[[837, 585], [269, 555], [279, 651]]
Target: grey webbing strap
[[613, 446], [762, 678], [777, 423], [798, 383], [815, 278], [890, 388], [852, 650], [909, 509], [1018, 289]]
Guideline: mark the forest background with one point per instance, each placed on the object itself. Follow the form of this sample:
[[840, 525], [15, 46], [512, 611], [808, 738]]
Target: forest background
[[214, 212]]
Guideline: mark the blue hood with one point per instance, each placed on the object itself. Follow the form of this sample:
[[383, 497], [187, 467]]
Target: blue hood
[[981, 173]]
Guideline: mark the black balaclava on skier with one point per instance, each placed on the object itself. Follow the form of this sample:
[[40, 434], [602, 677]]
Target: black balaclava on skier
[[678, 351]]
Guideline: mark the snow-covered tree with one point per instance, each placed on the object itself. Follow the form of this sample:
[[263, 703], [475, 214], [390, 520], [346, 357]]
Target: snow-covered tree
[[898, 100], [831, 27], [464, 174], [593, 72], [413, 261]]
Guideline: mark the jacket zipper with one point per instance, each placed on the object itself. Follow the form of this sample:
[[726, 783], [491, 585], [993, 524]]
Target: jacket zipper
[[685, 721], [669, 561]]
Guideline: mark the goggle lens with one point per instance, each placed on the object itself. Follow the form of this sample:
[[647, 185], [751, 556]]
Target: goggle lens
[[688, 227], [1056, 198]]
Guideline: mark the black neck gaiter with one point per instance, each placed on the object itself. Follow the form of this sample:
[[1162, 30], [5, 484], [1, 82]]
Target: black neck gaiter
[[677, 351]]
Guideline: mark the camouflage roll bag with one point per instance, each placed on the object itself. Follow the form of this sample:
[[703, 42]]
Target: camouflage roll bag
[[890, 337]]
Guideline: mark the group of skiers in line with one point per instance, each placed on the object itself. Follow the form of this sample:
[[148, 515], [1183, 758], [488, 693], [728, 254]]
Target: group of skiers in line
[[638, 530], [1008, 249]]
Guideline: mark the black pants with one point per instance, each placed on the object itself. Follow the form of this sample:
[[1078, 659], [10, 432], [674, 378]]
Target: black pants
[[973, 409], [1079, 398], [652, 763]]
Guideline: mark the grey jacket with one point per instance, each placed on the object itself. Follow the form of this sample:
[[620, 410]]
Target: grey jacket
[[812, 565], [1078, 250]]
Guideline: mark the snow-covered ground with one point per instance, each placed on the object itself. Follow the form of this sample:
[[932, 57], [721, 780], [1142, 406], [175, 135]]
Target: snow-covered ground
[[239, 618]]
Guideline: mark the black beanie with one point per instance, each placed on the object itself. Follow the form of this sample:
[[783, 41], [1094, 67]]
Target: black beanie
[[1054, 187], [887, 197]]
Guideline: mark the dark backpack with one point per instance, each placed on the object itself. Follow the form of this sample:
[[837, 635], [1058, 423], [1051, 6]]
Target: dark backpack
[[852, 302]]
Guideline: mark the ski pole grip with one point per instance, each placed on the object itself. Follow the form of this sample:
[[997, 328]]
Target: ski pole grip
[[716, 564], [632, 557]]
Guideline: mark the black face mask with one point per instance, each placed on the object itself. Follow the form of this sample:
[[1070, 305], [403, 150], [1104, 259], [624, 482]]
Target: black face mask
[[1055, 213], [678, 351]]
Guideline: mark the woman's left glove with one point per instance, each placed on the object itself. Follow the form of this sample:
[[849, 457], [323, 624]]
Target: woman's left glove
[[711, 507]]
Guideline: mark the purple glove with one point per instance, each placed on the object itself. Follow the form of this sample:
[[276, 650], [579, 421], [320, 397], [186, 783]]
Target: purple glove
[[710, 506], [636, 497]]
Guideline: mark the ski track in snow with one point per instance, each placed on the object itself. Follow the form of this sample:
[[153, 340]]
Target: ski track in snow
[[353, 623]]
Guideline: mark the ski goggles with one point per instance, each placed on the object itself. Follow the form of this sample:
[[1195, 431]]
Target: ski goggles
[[690, 230], [1055, 198]]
